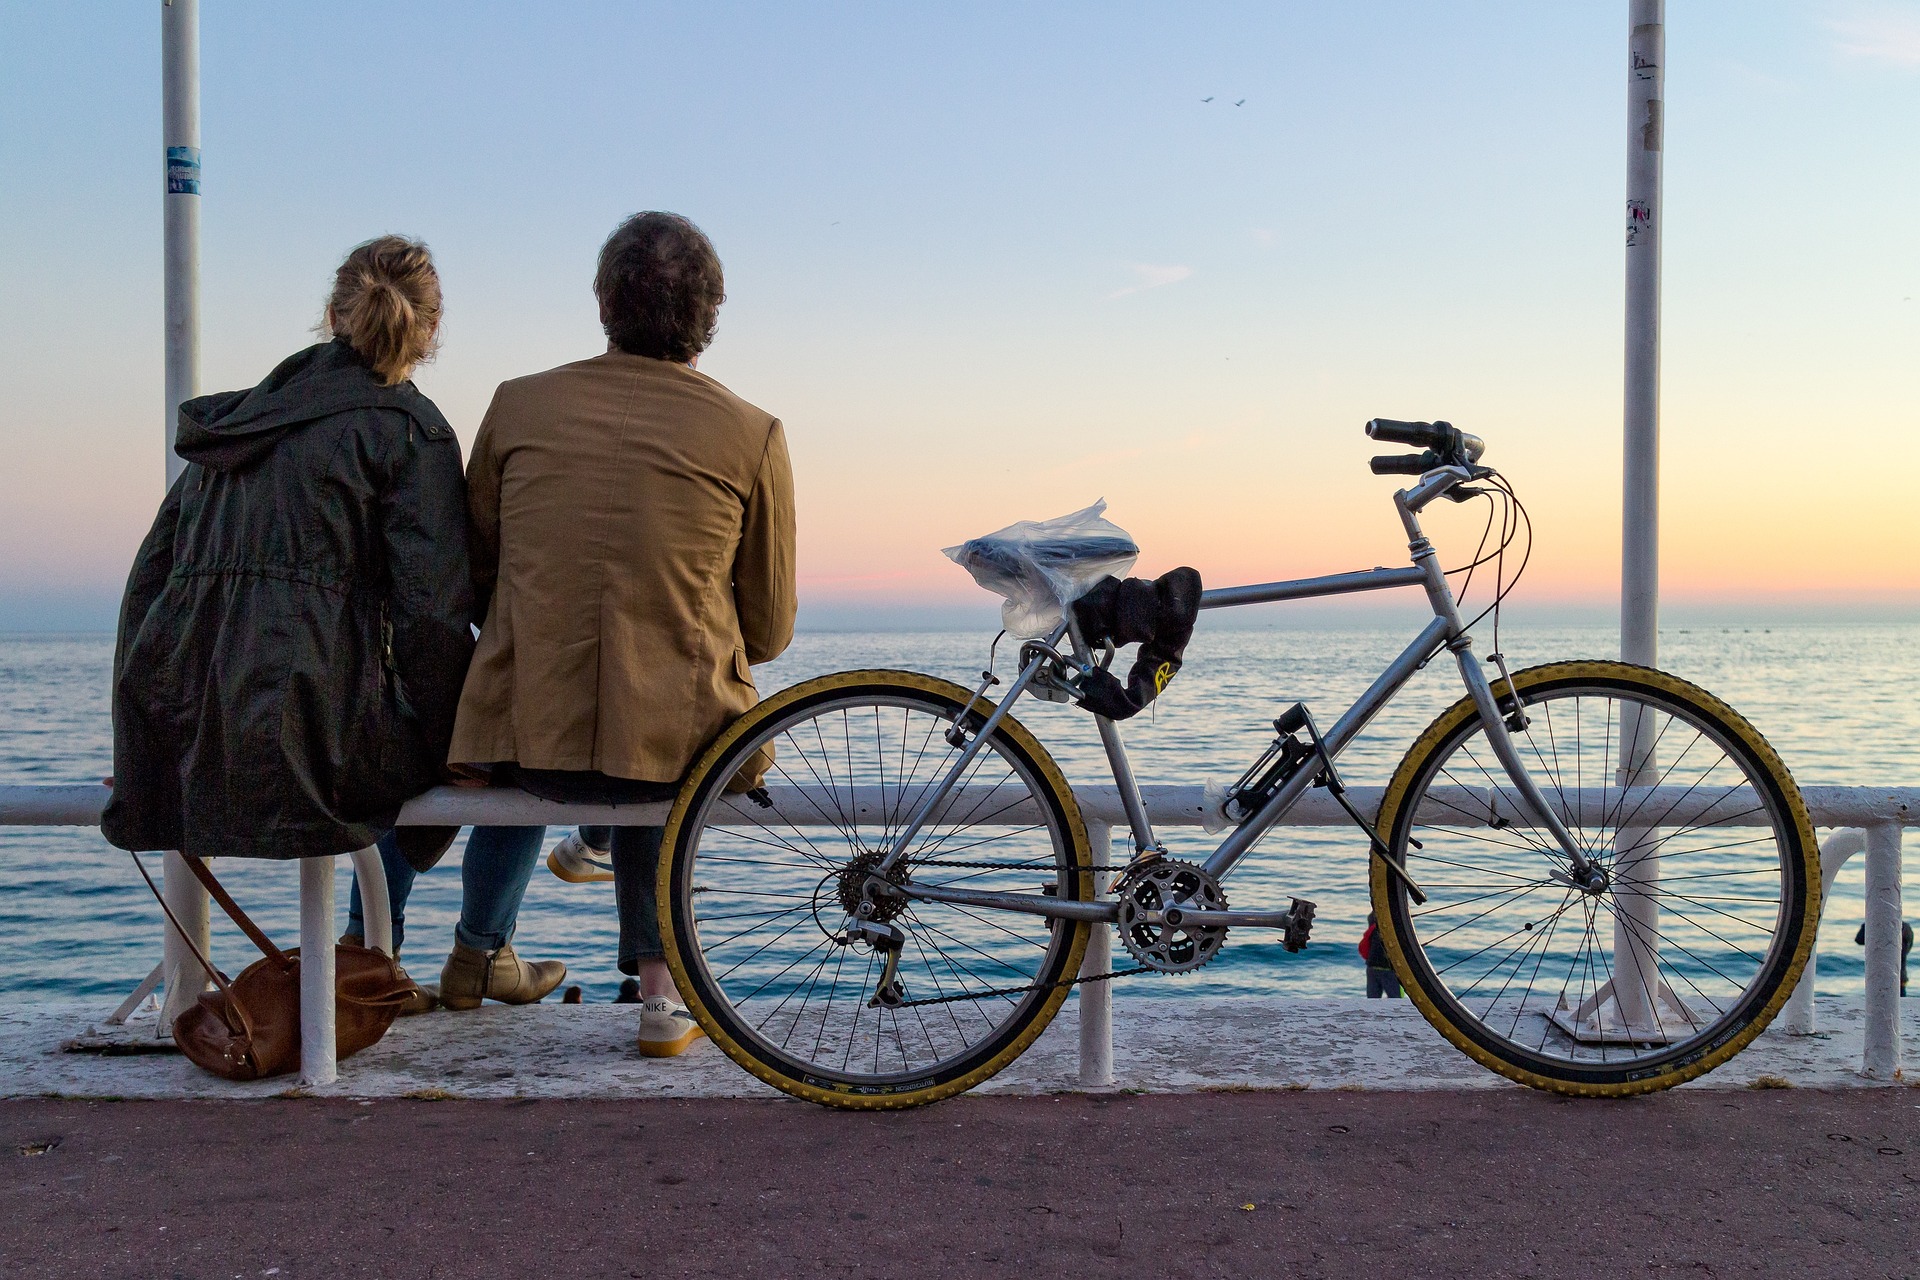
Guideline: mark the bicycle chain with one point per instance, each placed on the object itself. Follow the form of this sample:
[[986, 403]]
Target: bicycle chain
[[1003, 866], [1033, 986], [1014, 991]]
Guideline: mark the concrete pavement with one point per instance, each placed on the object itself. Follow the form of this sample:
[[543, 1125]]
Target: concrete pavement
[[1488, 1183], [1160, 1045]]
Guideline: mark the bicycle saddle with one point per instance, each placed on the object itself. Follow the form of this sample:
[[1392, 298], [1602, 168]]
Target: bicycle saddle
[[1021, 560], [1039, 566]]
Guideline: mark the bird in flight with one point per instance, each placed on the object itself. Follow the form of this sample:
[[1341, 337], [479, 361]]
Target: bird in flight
[[1241, 103], [1206, 99]]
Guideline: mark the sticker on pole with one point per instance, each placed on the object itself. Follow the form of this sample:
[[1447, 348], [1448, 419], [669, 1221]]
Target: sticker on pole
[[183, 171]]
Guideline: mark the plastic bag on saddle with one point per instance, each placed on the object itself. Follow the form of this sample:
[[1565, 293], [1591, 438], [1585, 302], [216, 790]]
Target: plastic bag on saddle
[[1039, 567]]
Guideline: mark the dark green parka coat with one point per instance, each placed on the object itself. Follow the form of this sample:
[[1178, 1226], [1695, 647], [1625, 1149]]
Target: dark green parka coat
[[296, 627]]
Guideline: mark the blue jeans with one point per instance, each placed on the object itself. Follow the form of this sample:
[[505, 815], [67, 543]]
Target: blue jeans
[[636, 850], [493, 879], [400, 877], [636, 863]]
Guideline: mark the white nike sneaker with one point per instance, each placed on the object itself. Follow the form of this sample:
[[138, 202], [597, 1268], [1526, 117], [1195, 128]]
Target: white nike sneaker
[[577, 862], [666, 1028]]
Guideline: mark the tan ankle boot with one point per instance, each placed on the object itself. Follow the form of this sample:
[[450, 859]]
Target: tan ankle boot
[[472, 975], [419, 1000]]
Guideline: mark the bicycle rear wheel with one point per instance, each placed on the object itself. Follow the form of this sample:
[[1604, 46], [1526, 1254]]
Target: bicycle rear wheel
[[755, 900], [1703, 927]]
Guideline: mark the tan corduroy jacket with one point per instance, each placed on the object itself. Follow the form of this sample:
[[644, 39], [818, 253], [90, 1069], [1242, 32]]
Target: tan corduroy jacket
[[633, 521]]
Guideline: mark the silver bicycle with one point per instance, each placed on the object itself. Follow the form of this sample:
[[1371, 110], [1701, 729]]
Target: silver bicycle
[[1592, 877]]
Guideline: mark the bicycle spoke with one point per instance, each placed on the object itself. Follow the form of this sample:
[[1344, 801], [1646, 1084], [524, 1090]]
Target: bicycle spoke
[[1694, 908], [850, 776]]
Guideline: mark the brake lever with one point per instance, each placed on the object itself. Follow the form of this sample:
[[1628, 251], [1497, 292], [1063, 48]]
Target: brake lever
[[1463, 492]]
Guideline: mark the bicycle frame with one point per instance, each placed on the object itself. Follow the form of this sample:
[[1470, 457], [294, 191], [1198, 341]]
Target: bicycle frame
[[1445, 631]]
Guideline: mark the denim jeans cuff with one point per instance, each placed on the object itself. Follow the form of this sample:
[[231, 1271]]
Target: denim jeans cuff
[[479, 941]]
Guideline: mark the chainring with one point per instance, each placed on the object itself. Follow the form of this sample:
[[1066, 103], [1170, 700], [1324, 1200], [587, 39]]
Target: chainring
[[1146, 892]]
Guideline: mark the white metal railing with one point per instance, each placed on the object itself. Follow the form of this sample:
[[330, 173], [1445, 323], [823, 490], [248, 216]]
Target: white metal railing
[[1870, 821]]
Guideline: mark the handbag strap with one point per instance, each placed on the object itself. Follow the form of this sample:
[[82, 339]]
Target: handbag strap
[[220, 895], [219, 978]]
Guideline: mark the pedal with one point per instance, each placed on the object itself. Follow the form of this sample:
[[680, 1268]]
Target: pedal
[[1295, 937]]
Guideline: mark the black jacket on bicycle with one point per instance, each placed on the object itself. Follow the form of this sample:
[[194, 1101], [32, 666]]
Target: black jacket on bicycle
[[295, 630]]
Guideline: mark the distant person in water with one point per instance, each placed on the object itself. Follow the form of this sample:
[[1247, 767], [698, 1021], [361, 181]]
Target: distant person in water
[[297, 624], [633, 543], [1381, 979]]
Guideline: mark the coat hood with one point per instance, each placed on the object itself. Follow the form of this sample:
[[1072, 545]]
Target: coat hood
[[232, 430]]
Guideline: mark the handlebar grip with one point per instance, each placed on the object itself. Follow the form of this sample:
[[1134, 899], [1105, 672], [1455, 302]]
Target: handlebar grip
[[1427, 435], [1403, 464]]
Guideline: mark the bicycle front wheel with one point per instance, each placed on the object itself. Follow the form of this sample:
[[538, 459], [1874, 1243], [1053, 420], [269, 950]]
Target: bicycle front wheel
[[756, 891], [1705, 919]]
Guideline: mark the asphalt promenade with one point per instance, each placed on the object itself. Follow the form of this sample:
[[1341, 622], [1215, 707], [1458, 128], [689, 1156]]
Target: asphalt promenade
[[1491, 1183]]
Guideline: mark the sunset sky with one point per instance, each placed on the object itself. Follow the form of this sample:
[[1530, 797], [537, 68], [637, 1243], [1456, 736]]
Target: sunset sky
[[991, 262]]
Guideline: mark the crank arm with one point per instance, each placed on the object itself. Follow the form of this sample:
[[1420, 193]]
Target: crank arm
[[1176, 918]]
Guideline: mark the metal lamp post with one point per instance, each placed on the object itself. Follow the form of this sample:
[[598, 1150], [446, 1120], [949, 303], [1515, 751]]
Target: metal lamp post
[[1639, 998], [1633, 1004], [180, 134], [1640, 541]]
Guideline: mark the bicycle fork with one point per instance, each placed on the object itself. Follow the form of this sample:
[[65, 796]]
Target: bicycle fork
[[1583, 873]]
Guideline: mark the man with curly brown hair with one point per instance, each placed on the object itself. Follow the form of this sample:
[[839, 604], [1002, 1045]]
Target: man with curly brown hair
[[633, 547]]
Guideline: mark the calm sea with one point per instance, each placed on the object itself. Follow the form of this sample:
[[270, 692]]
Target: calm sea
[[1838, 702]]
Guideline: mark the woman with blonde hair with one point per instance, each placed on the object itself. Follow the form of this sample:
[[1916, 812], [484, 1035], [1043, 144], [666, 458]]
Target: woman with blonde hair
[[296, 627]]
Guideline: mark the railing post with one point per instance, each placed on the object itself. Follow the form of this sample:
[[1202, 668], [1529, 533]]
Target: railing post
[[317, 1038], [1096, 998], [375, 909], [184, 977], [1881, 1061], [1798, 1018]]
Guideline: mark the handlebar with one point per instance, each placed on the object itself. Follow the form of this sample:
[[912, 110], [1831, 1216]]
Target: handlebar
[[1427, 435], [1445, 445]]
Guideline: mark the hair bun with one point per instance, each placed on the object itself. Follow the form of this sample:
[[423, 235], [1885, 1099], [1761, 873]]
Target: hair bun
[[386, 305]]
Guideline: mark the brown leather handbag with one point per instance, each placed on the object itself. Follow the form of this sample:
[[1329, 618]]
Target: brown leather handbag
[[248, 1028]]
